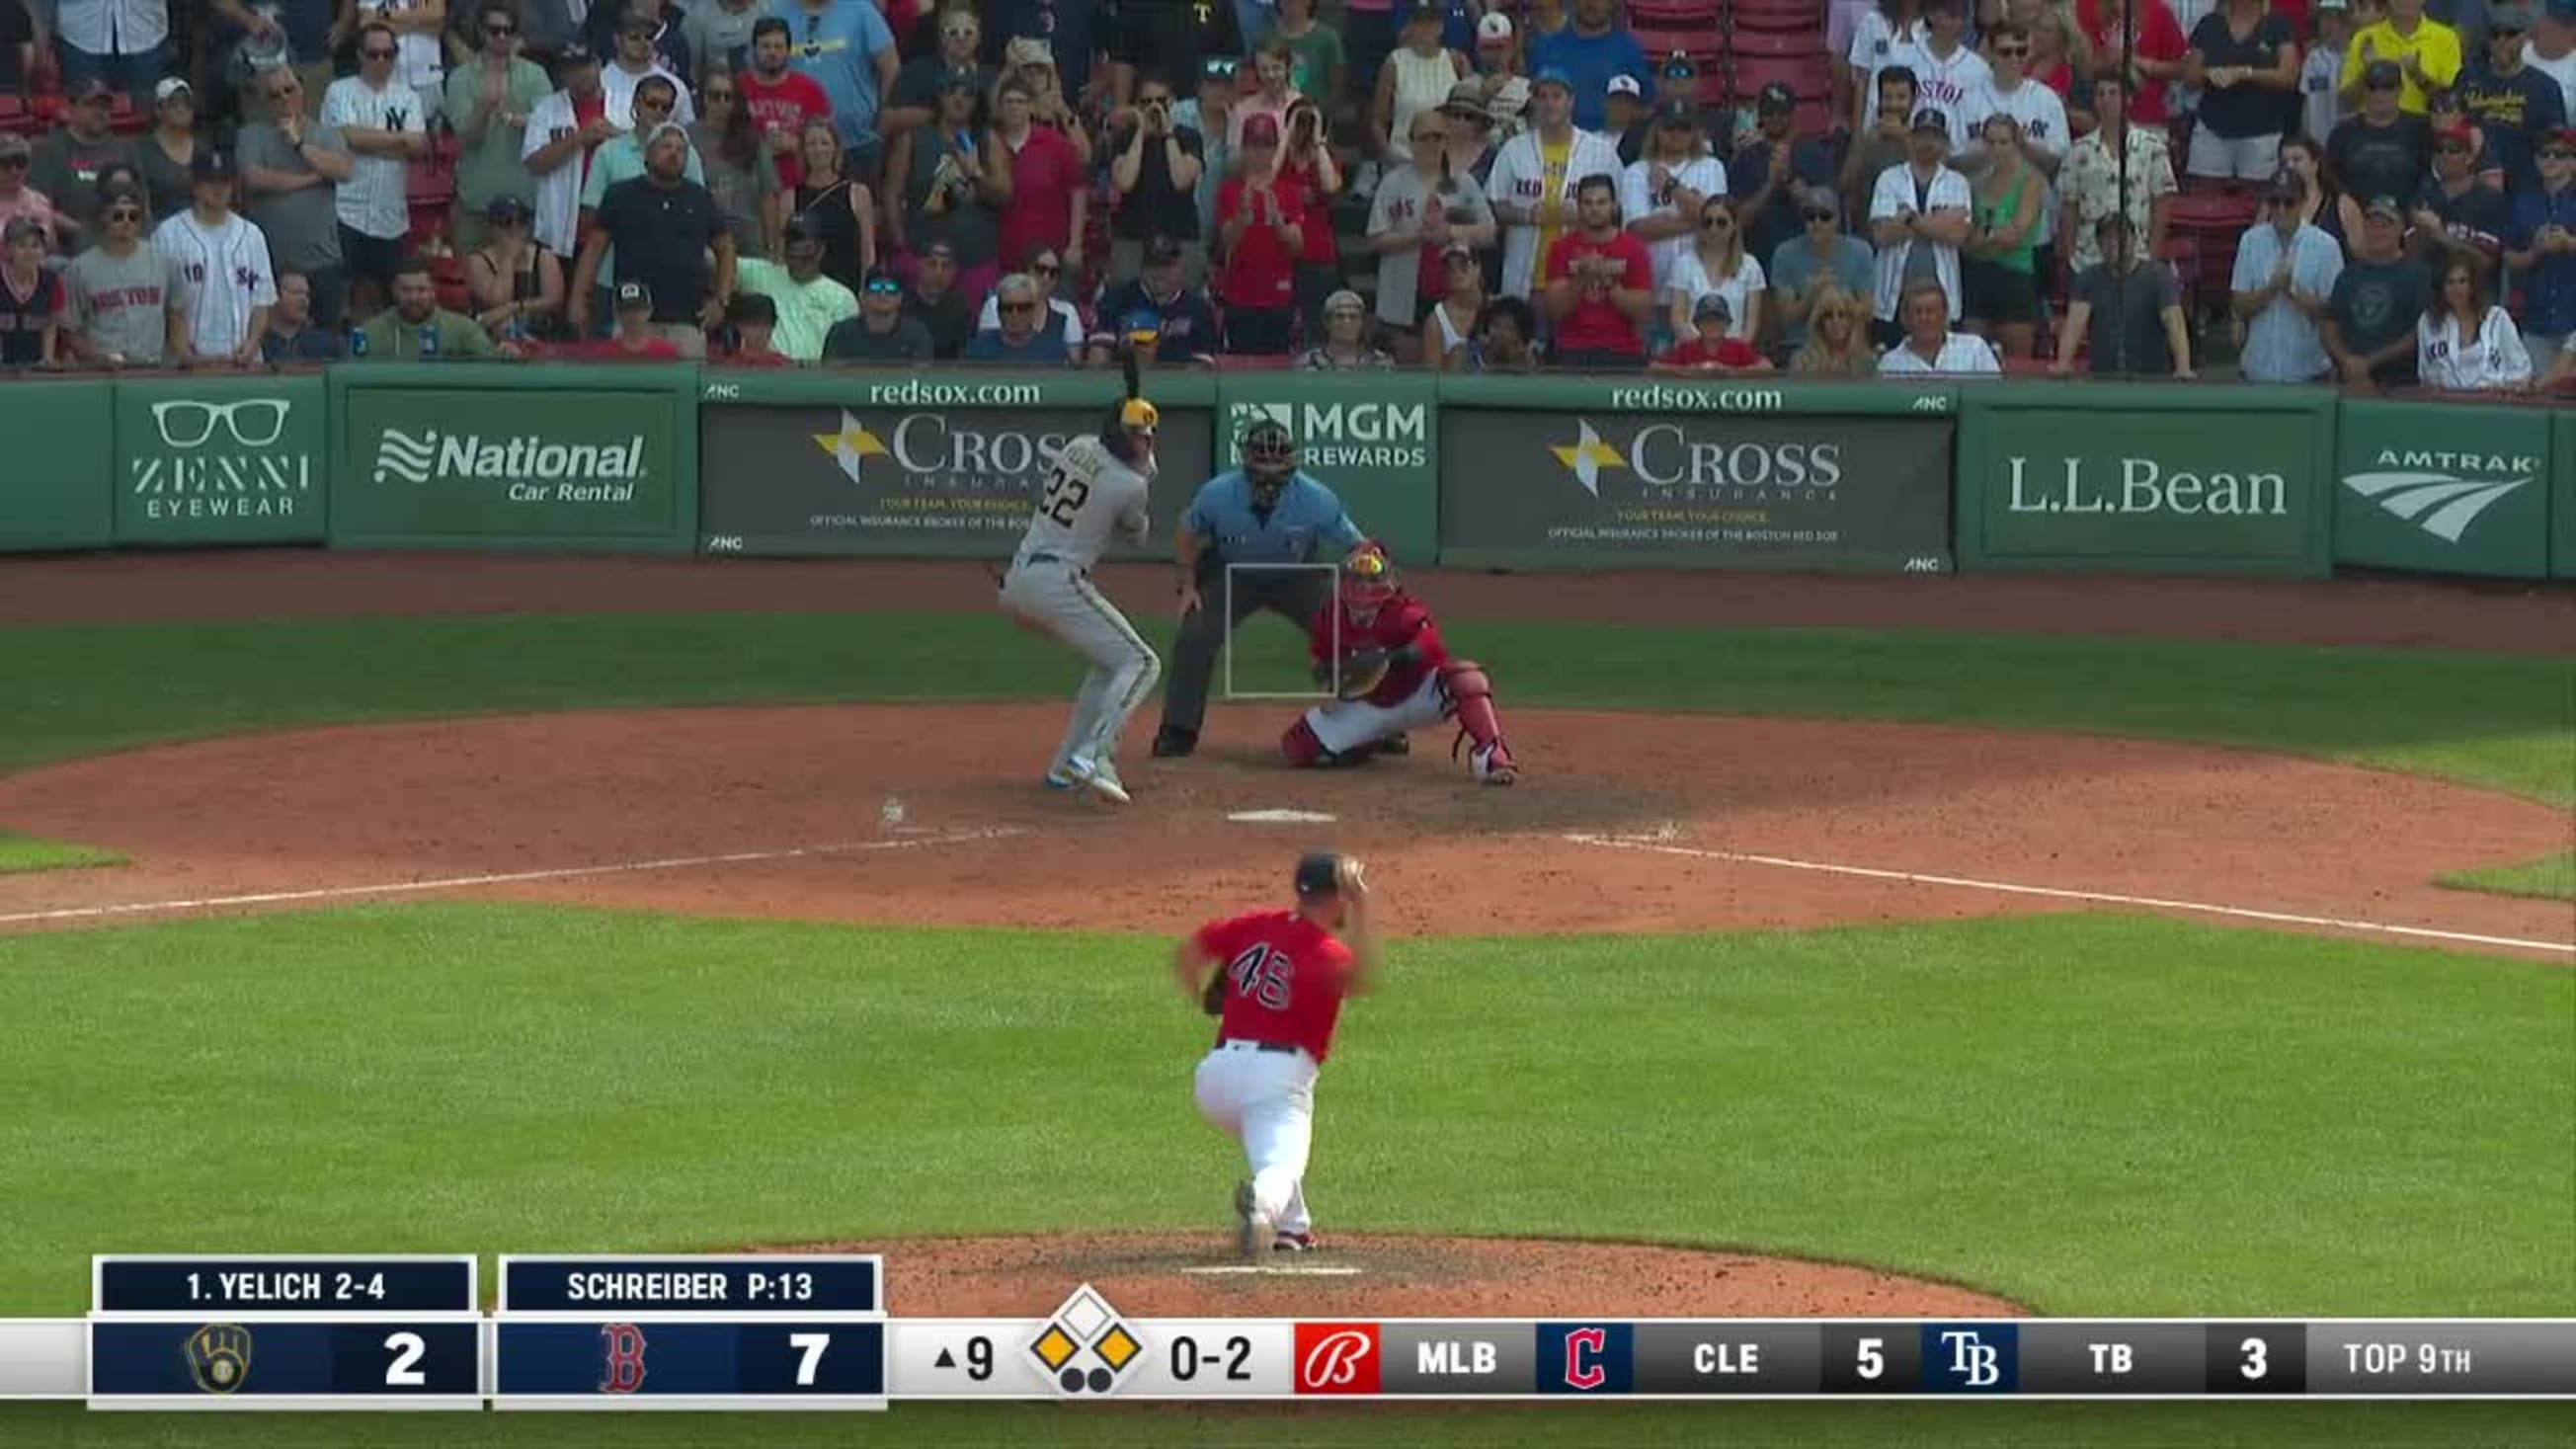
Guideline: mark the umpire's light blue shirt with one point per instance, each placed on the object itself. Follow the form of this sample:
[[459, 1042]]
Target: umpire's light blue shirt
[[1307, 520]]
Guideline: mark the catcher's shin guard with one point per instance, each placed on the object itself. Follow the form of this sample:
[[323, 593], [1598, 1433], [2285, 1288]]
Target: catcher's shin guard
[[1300, 748], [1471, 702]]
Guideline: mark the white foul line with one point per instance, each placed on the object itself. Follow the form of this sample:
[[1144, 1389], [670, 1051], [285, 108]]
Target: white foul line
[[1910, 877], [516, 877]]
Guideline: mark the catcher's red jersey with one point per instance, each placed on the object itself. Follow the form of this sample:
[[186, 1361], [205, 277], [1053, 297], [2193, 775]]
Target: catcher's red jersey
[[1285, 978], [1402, 620]]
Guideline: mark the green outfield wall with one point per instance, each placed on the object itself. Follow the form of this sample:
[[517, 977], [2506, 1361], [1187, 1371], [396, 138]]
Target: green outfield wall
[[1531, 472]]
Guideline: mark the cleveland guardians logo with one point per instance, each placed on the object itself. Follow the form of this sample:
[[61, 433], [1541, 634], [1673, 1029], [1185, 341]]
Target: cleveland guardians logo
[[621, 1353], [1583, 1350], [1337, 1358], [1586, 1358], [218, 1357]]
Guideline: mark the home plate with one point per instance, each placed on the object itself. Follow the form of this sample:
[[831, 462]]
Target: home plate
[[1281, 1270], [1280, 817]]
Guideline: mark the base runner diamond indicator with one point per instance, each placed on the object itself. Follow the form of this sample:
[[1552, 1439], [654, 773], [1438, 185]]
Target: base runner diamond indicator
[[1085, 1346]]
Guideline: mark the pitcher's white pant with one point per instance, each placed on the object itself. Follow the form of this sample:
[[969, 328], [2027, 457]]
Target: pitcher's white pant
[[1347, 724], [1063, 602], [1267, 1100]]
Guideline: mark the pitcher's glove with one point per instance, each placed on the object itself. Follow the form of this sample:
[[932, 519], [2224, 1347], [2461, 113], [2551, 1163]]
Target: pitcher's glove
[[1212, 996]]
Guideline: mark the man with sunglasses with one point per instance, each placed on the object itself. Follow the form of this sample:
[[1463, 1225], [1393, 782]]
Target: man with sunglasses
[[291, 168], [621, 158], [2512, 103], [881, 332], [663, 225], [636, 60], [2383, 150], [2453, 208], [489, 100], [846, 46], [18, 200], [2283, 284], [2543, 252], [2425, 52], [67, 163], [1772, 167], [380, 120], [809, 304], [128, 301]]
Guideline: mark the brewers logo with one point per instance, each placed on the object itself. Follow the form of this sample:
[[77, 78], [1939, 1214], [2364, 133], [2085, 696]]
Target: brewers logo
[[218, 1357]]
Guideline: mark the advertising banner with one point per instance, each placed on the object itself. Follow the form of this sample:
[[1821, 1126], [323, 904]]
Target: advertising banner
[[1594, 473], [2142, 477], [57, 488], [896, 465], [2443, 489], [497, 456], [2562, 496], [216, 460], [1368, 436]]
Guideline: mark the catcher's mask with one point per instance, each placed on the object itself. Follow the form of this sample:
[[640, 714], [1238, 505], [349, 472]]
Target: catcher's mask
[[1368, 581], [1130, 434], [1269, 459]]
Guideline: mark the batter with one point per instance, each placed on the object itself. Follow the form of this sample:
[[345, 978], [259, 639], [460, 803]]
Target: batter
[[1278, 992], [1097, 489]]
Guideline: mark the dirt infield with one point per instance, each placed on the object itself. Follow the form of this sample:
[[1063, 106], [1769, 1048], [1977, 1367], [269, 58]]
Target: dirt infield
[[935, 814], [1163, 1276]]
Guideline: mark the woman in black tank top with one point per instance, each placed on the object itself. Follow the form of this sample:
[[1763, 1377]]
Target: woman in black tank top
[[843, 209]]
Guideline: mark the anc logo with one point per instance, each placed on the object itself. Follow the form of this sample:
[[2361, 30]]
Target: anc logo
[[218, 1357]]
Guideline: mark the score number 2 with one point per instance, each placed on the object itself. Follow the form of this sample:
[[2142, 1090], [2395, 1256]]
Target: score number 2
[[1064, 497]]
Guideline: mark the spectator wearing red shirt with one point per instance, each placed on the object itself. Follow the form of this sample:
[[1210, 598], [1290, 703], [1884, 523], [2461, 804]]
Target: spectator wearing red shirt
[[1308, 161], [2158, 53], [1712, 350], [1276, 981], [1050, 187], [637, 339], [1261, 214], [780, 100], [1600, 284]]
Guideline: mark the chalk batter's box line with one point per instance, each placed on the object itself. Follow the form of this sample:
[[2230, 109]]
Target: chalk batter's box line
[[1292, 696]]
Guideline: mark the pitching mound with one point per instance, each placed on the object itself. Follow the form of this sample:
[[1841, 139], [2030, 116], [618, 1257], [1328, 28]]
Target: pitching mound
[[1168, 1276]]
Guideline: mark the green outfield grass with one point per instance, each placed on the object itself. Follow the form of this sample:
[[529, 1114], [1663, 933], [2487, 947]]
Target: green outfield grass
[[2506, 722], [2089, 1114], [25, 853], [2550, 878]]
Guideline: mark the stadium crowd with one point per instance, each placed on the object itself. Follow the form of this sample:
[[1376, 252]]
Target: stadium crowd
[[2374, 192]]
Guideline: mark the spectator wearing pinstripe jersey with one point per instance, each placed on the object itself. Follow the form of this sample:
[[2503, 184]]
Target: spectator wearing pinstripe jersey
[[222, 260]]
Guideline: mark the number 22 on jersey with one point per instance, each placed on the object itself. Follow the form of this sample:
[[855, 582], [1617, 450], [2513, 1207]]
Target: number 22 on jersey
[[1262, 974], [1064, 496]]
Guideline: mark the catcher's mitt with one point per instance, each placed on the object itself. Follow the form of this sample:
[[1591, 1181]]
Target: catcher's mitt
[[1363, 672]]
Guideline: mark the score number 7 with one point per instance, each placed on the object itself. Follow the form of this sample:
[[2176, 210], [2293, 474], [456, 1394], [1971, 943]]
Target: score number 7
[[811, 1345]]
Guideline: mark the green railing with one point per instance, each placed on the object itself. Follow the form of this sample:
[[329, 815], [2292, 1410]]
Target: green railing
[[1511, 472]]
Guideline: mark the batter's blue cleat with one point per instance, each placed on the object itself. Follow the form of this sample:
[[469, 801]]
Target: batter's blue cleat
[[1057, 779]]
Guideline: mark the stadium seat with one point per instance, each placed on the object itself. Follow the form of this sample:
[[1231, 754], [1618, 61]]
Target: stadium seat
[[449, 273], [1793, 17], [1783, 44], [127, 119], [1705, 16], [17, 115]]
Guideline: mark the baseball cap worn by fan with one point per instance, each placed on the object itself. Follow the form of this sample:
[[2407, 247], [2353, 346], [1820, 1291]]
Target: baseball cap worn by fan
[[1626, 85], [1028, 50], [1778, 97], [1553, 76], [1932, 120], [634, 297], [2383, 75], [2384, 206], [14, 146], [172, 85], [2286, 186], [1494, 29], [1161, 248], [212, 166]]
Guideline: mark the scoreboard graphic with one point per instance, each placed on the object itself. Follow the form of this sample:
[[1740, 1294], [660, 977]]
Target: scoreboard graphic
[[810, 1332]]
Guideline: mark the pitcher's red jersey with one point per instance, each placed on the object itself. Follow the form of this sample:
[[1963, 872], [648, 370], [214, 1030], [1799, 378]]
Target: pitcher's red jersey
[[1285, 977], [1402, 620]]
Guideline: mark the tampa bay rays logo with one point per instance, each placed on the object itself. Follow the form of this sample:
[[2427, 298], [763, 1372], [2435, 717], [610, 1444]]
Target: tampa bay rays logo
[[218, 1357], [621, 1355]]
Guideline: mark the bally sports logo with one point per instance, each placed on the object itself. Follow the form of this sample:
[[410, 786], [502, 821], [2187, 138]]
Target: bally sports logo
[[2427, 490], [1337, 1358]]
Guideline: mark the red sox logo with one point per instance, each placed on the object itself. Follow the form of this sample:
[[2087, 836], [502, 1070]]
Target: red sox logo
[[621, 1345], [1583, 1350], [1337, 1358]]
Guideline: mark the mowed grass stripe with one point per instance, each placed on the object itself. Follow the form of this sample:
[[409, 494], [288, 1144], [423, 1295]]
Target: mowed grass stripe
[[2501, 721], [2090, 1114]]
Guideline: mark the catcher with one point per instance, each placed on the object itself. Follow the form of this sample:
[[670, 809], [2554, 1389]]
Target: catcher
[[1394, 674]]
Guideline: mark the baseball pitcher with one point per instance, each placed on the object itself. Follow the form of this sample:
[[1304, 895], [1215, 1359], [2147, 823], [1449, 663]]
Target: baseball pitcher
[[1394, 674], [1277, 986], [1268, 511], [1097, 487]]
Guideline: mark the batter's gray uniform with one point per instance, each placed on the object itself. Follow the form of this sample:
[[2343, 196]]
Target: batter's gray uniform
[[1090, 496]]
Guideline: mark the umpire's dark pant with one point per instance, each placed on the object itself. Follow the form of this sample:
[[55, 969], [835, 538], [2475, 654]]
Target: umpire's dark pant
[[1295, 594]]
